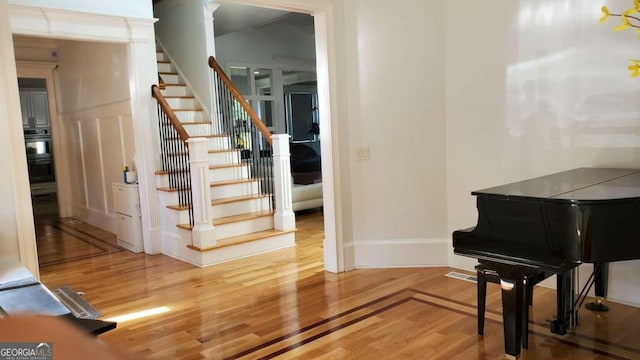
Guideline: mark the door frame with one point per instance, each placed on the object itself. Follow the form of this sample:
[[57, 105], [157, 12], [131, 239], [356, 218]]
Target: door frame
[[323, 13], [138, 35]]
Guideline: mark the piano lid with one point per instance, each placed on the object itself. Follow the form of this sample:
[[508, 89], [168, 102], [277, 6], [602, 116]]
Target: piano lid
[[577, 185]]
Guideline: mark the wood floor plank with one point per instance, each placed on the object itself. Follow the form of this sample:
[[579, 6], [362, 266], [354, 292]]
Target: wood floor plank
[[284, 305]]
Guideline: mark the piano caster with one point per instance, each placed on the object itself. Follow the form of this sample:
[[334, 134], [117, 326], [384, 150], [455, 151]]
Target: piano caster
[[558, 327], [597, 306]]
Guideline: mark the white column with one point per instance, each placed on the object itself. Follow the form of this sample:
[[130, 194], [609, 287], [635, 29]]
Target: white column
[[203, 233], [284, 218], [142, 73]]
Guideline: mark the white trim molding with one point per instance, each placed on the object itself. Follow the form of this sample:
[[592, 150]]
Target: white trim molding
[[400, 253], [138, 33], [66, 24]]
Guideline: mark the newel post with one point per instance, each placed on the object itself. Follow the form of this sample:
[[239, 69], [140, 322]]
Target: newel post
[[284, 218], [203, 232]]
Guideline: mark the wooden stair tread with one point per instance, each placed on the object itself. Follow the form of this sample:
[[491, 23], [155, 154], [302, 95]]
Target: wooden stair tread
[[213, 183], [195, 123], [237, 199], [200, 137], [212, 167], [242, 239], [231, 182], [175, 84], [234, 218], [178, 207], [223, 151], [186, 110], [221, 201], [166, 189], [242, 217], [226, 166], [167, 73]]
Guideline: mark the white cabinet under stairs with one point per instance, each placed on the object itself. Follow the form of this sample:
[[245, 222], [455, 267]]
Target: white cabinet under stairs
[[243, 224]]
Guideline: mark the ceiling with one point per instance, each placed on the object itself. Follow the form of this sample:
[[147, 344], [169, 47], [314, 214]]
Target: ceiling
[[230, 17]]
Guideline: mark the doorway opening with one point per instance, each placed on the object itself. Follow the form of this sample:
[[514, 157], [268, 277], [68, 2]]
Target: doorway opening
[[36, 125], [270, 56]]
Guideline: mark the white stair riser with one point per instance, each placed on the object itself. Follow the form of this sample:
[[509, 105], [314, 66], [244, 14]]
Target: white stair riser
[[197, 129], [230, 173], [215, 143], [182, 103], [222, 174], [160, 56], [178, 216], [219, 211], [176, 246], [162, 181], [175, 91], [217, 192], [164, 67], [189, 116], [224, 157], [219, 143], [244, 227], [240, 207], [170, 198], [171, 78], [233, 190]]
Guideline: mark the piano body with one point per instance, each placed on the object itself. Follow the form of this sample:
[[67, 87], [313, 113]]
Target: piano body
[[554, 223]]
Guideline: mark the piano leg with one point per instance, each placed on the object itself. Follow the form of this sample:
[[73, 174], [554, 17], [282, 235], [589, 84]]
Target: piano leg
[[512, 302], [601, 283], [564, 297]]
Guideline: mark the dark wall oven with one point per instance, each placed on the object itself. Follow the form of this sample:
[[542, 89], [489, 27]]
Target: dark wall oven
[[39, 155]]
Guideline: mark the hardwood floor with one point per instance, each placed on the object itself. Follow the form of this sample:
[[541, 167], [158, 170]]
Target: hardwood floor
[[283, 305]]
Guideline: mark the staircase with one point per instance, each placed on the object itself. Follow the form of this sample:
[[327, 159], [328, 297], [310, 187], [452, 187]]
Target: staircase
[[242, 222]]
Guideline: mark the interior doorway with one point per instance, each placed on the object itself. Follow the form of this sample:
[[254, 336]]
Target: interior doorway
[[42, 134], [72, 129], [36, 125], [270, 56]]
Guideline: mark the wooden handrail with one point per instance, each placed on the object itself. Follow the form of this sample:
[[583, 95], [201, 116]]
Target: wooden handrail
[[255, 119], [184, 136]]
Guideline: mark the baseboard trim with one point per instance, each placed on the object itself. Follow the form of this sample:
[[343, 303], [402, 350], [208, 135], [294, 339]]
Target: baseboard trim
[[400, 253], [97, 218]]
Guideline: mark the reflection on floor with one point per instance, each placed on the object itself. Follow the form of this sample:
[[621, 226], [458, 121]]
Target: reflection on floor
[[68, 239], [44, 205]]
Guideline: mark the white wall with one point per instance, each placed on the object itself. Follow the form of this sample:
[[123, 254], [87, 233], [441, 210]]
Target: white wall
[[537, 87], [95, 113], [35, 49], [391, 100], [181, 28], [280, 46], [130, 8]]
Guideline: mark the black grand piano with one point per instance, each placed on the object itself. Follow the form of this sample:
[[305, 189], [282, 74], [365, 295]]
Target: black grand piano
[[553, 224]]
